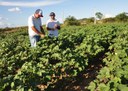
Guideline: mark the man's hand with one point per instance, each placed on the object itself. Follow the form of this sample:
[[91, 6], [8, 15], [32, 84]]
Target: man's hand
[[56, 26], [42, 35], [42, 30]]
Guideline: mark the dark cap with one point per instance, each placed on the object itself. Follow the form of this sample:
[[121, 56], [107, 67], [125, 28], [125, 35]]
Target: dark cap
[[39, 11], [52, 14]]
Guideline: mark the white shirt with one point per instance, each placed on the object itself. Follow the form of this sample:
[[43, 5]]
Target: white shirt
[[36, 22], [50, 24]]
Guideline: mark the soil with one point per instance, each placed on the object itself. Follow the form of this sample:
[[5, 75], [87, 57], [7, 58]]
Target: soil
[[80, 82]]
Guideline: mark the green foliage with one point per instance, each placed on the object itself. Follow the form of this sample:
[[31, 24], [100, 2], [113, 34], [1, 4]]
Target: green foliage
[[113, 77], [108, 20], [23, 68], [99, 15], [71, 20], [90, 20], [121, 17]]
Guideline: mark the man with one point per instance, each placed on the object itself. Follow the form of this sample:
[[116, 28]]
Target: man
[[35, 29], [52, 26]]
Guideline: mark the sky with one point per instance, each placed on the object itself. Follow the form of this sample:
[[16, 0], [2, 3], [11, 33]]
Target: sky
[[15, 13]]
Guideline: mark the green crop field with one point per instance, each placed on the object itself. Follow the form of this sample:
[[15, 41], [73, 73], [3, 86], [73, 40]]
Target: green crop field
[[23, 68]]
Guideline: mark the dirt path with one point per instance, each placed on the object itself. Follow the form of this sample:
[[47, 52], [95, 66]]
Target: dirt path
[[80, 82]]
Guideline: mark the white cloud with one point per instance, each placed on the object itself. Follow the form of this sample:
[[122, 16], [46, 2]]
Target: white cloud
[[31, 4], [4, 23], [16, 9]]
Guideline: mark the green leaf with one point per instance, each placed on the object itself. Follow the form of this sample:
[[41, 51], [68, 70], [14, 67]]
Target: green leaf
[[48, 77], [123, 87], [92, 86], [12, 84], [103, 87]]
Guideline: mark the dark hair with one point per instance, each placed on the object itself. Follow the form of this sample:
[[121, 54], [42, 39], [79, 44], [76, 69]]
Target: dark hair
[[52, 14]]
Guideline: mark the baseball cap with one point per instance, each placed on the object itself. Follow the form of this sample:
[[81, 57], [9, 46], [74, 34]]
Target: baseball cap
[[39, 11], [52, 14]]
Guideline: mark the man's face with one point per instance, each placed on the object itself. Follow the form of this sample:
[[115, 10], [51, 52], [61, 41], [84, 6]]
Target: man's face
[[52, 16], [38, 15]]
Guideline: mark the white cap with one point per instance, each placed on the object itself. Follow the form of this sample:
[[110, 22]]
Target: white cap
[[39, 11]]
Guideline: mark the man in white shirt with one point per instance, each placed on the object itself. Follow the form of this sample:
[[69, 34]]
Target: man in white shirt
[[35, 28], [52, 26]]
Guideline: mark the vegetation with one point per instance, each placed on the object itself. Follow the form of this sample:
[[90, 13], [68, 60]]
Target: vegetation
[[86, 21], [122, 17], [108, 20], [99, 15], [24, 68], [71, 20]]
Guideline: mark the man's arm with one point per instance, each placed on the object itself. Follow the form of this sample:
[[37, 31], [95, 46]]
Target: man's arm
[[42, 30], [31, 24], [57, 26], [49, 28], [35, 30]]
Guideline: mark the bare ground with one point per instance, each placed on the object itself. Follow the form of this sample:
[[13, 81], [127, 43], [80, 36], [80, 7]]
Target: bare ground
[[80, 82]]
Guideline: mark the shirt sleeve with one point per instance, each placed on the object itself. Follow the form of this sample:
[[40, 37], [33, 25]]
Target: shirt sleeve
[[30, 21]]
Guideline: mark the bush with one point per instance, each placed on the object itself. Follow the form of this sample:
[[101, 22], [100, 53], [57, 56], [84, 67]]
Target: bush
[[71, 20], [108, 20]]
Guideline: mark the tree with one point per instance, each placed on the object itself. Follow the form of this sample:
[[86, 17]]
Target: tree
[[121, 17], [71, 20], [99, 15]]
